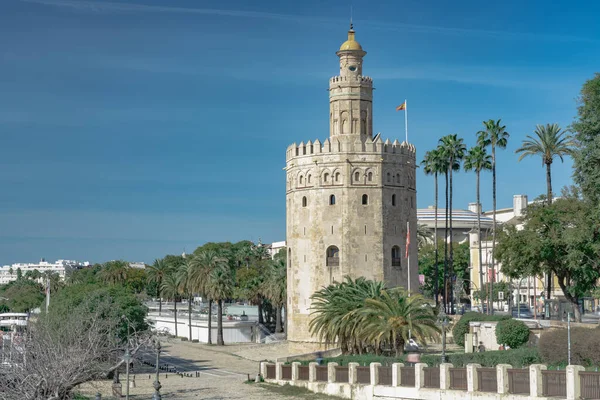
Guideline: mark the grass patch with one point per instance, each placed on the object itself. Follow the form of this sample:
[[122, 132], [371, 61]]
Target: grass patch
[[294, 391]]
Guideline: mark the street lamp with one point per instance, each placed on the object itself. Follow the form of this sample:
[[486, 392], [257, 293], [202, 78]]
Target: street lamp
[[157, 384], [442, 320]]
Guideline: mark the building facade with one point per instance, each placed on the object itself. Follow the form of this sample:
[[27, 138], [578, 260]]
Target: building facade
[[348, 199], [9, 273]]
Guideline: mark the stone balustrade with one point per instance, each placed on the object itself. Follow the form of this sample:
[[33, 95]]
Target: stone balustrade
[[423, 382]]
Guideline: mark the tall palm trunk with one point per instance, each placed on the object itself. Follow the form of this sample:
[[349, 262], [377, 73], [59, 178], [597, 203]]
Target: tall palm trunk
[[446, 251], [220, 341], [159, 298], [493, 277], [450, 258], [478, 187], [435, 238], [278, 319], [175, 311], [209, 340], [190, 316], [549, 194], [260, 310]]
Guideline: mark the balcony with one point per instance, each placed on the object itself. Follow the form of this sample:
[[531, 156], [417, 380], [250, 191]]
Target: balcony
[[333, 261], [396, 262]]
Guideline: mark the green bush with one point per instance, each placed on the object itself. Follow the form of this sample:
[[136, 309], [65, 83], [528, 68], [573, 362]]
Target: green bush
[[512, 332], [183, 339], [195, 341], [462, 326], [585, 347], [518, 358]]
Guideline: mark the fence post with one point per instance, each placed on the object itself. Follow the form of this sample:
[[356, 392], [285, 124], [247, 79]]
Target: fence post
[[331, 372], [263, 369], [312, 371], [295, 373], [396, 374], [374, 370], [574, 382], [502, 377], [420, 375], [472, 381], [535, 380], [352, 373], [445, 376], [278, 366]]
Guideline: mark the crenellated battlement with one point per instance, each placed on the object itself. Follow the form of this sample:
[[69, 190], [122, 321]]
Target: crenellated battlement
[[366, 80], [333, 145]]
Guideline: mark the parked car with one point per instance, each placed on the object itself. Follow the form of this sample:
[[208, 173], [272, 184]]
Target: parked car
[[521, 311]]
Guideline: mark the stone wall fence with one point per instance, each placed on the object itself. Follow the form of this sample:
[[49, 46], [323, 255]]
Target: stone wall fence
[[442, 382]]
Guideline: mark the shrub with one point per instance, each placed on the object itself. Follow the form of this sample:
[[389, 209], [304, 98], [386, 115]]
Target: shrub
[[462, 326], [183, 339], [518, 358], [512, 332], [195, 341], [585, 347]]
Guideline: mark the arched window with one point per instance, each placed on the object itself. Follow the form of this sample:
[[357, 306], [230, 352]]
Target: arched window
[[333, 256], [394, 200], [356, 176], [398, 178], [370, 176], [396, 260], [325, 177], [304, 201], [301, 180], [337, 176], [308, 179], [289, 258], [332, 200], [365, 199], [389, 177]]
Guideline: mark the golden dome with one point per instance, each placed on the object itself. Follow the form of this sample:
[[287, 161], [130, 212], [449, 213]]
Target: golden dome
[[350, 44]]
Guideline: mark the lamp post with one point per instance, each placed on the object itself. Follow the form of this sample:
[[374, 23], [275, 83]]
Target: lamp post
[[442, 320], [157, 384]]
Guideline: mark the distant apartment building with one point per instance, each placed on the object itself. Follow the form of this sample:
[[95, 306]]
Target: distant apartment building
[[275, 247], [9, 273]]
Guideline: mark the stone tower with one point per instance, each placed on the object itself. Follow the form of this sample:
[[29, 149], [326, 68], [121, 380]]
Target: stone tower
[[348, 199]]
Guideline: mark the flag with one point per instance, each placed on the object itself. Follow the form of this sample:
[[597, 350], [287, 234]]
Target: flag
[[407, 240], [401, 106]]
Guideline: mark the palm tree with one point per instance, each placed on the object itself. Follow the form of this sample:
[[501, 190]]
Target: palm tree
[[220, 286], [155, 274], [171, 287], [188, 284], [453, 151], [396, 317], [551, 142], [275, 287], [424, 235], [114, 272], [433, 164], [478, 160], [494, 136]]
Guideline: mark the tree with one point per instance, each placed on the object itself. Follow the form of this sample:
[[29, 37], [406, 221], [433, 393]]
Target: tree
[[427, 265], [424, 235], [495, 136], [587, 137], [478, 160], [512, 332], [23, 295], [275, 287], [561, 239], [156, 274], [114, 272], [433, 164], [452, 151], [171, 288], [551, 142], [220, 287], [189, 286]]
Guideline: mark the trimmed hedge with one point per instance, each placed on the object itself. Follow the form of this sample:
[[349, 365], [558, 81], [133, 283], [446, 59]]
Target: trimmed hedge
[[462, 326], [585, 346], [512, 332], [518, 358]]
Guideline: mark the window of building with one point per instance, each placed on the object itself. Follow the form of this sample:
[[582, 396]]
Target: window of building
[[337, 176], [289, 259], [325, 177], [370, 176], [356, 176], [301, 180], [396, 260], [412, 202], [398, 178], [308, 179], [365, 199], [389, 177], [394, 200], [304, 201], [332, 200], [333, 256]]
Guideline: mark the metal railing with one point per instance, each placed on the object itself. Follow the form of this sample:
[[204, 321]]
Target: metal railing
[[486, 380], [407, 376], [518, 381], [303, 373], [286, 372], [341, 374], [385, 376], [333, 261], [363, 375], [396, 262], [431, 377], [554, 384], [458, 378], [590, 385], [271, 371], [321, 371]]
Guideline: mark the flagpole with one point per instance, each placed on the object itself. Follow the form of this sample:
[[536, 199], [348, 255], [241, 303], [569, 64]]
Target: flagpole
[[406, 119]]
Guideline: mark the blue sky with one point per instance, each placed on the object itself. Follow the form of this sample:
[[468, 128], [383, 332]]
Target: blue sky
[[133, 129]]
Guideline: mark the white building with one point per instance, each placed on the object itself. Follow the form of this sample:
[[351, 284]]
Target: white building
[[9, 273], [275, 247]]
